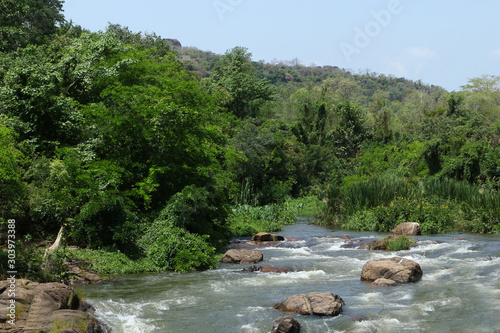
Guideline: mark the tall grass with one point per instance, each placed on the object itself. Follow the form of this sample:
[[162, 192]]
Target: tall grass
[[474, 209], [375, 192], [477, 198]]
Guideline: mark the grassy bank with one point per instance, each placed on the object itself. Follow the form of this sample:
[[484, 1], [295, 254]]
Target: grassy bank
[[439, 205]]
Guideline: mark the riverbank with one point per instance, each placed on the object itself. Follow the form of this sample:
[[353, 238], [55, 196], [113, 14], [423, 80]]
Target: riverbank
[[45, 307]]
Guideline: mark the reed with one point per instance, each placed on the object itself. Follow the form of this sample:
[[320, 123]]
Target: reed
[[477, 198], [375, 192]]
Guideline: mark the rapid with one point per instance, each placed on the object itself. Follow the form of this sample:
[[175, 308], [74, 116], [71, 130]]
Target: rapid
[[459, 290]]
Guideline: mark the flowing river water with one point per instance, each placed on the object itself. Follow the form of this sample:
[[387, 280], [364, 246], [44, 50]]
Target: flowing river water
[[459, 290]]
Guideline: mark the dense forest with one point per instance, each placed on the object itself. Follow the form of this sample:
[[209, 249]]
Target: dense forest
[[151, 155]]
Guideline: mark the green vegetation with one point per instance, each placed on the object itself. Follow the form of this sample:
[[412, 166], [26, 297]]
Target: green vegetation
[[395, 243], [152, 157]]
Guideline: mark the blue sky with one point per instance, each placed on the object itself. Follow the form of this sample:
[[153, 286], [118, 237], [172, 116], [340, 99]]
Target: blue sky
[[441, 42]]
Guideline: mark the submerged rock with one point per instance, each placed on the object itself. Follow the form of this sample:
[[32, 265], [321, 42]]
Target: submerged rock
[[407, 229], [315, 303], [267, 269], [45, 307], [242, 256], [397, 269], [286, 324]]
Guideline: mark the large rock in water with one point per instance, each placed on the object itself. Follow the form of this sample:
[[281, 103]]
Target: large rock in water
[[286, 324], [407, 229], [45, 307], [397, 269], [267, 237], [242, 256], [315, 303]]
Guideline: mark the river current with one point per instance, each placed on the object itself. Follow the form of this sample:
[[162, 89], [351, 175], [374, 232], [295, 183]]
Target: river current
[[459, 290]]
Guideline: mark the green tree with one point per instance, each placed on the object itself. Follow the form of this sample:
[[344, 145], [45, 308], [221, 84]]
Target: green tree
[[26, 22], [235, 74], [43, 86], [12, 187]]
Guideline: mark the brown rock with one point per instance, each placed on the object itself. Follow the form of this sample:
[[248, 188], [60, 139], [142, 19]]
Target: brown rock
[[275, 269], [381, 282], [81, 277], [40, 306], [286, 324], [266, 237], [398, 269], [407, 229], [321, 304], [242, 256]]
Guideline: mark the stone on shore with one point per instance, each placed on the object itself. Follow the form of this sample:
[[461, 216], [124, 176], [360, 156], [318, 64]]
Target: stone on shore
[[45, 307]]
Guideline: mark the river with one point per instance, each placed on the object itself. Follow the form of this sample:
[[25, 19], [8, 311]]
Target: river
[[459, 290]]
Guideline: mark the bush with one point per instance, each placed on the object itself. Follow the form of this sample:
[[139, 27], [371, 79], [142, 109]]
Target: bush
[[177, 249], [105, 220], [112, 262], [30, 264], [247, 220], [398, 243], [197, 210], [434, 216]]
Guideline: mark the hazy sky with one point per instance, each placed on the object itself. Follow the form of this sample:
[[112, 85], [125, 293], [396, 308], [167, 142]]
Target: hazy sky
[[440, 42]]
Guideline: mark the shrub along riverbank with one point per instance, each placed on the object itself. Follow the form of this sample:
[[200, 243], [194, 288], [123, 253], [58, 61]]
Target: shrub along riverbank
[[439, 205]]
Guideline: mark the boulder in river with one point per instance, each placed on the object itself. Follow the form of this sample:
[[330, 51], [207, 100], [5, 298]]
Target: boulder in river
[[286, 324], [267, 237], [315, 303], [45, 307], [407, 229], [397, 269], [242, 256]]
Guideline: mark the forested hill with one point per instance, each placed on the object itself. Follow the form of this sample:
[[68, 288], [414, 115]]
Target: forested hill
[[133, 145], [364, 88]]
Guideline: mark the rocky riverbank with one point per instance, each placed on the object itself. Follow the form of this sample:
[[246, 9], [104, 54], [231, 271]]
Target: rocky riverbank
[[34, 307]]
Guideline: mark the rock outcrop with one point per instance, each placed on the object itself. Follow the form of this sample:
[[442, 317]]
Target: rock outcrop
[[315, 303], [397, 269], [45, 307], [286, 324], [407, 229], [242, 256], [174, 42], [79, 276]]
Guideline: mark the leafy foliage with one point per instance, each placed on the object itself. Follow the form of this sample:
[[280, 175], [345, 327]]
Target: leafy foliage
[[162, 153]]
